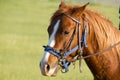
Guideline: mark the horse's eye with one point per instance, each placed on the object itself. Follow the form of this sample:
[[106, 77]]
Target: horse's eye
[[66, 32]]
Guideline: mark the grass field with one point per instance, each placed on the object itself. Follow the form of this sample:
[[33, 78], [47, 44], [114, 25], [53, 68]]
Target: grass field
[[23, 25]]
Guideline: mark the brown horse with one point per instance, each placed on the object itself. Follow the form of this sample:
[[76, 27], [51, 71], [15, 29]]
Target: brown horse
[[75, 31]]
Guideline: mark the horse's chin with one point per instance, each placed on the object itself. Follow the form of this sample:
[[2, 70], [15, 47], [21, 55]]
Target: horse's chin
[[54, 75], [56, 71], [50, 75]]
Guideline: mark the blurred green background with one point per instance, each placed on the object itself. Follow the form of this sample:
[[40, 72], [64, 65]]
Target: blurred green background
[[23, 32]]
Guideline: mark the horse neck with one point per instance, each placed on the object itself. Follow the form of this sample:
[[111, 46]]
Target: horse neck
[[99, 38], [101, 32]]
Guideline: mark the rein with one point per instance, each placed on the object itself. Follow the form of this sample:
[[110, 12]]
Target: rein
[[62, 54]]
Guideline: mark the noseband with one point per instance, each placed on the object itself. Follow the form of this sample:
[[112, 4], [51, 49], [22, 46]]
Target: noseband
[[62, 54]]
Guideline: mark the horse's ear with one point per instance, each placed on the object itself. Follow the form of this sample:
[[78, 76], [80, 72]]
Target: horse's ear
[[62, 4], [80, 10], [84, 7]]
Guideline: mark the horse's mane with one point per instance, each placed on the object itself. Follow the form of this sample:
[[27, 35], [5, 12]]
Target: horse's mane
[[104, 30], [101, 28]]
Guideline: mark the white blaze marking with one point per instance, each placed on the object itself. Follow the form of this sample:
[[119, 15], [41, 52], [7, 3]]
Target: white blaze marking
[[51, 43]]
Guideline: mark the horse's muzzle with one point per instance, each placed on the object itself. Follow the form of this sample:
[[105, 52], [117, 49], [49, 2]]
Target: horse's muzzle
[[46, 69]]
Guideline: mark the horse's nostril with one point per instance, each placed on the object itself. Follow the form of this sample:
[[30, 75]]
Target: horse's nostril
[[47, 67]]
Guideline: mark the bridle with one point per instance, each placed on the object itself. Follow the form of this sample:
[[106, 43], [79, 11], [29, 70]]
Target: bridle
[[82, 43], [62, 54]]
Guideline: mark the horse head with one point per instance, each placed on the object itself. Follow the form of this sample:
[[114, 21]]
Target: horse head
[[65, 35]]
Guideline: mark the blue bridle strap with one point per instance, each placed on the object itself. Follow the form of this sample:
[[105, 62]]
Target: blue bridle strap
[[84, 39], [65, 64], [52, 51], [58, 55]]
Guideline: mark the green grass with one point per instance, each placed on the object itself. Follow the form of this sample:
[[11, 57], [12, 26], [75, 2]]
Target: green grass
[[23, 25]]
